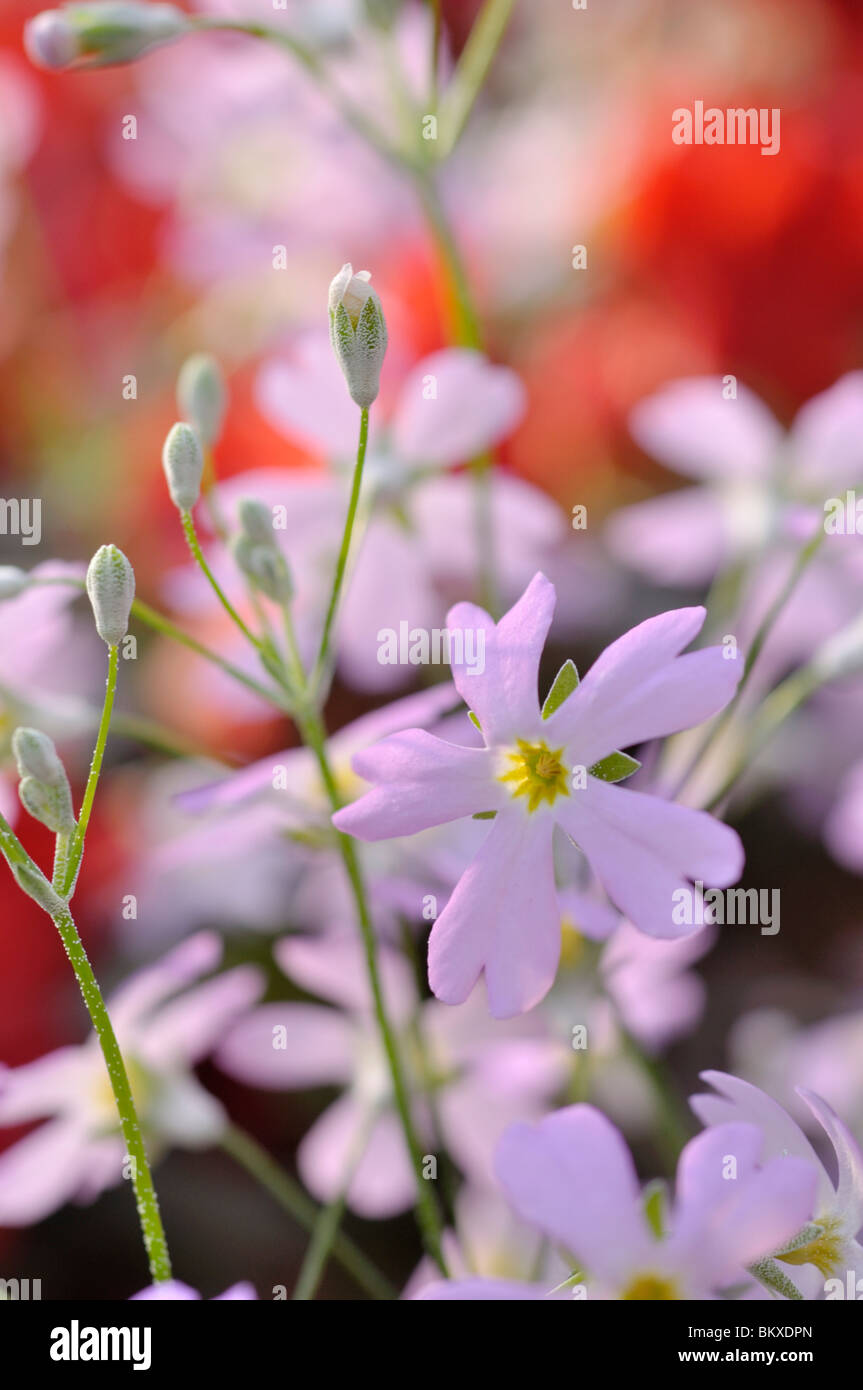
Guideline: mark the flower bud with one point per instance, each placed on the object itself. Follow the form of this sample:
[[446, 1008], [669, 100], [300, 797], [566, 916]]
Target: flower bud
[[267, 568], [104, 31], [111, 588], [256, 520], [358, 333], [50, 805], [183, 462], [12, 581], [201, 395], [34, 883], [37, 757]]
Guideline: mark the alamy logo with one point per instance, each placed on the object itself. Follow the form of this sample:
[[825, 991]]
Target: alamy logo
[[734, 126], [692, 907], [20, 1290], [419, 646], [21, 516], [76, 1343]]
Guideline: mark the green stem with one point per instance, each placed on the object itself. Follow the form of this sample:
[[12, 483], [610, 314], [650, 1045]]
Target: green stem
[[673, 1132], [327, 1225], [159, 623], [198, 556], [142, 1179], [471, 72], [804, 558], [780, 704], [290, 1196], [341, 564], [464, 323], [76, 846], [427, 1210]]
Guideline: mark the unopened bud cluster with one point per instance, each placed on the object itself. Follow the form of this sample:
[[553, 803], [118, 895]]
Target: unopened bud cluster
[[44, 787], [257, 552]]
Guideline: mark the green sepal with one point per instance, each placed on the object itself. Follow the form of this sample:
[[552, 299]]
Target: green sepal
[[615, 768], [562, 687]]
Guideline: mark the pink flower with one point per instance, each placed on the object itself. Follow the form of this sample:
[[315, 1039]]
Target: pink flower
[[482, 1075], [573, 1178], [163, 1034], [831, 1248], [749, 473], [504, 917], [172, 1290]]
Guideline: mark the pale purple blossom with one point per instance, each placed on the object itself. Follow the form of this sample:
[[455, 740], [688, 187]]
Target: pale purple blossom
[[573, 1178], [165, 1023], [504, 917], [173, 1290]]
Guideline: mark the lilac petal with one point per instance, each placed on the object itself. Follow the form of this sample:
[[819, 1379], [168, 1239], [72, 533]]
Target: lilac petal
[[306, 399], [243, 1292], [827, 433], [187, 1029], [42, 1171], [849, 1159], [41, 1088], [640, 688], [573, 1177], [423, 708], [676, 539], [146, 989], [644, 850], [319, 1052], [759, 1217], [421, 781], [383, 1182], [503, 917], [505, 695], [334, 967], [248, 782], [690, 427], [481, 1291], [739, 1100], [373, 604], [474, 406], [169, 1290], [700, 1185]]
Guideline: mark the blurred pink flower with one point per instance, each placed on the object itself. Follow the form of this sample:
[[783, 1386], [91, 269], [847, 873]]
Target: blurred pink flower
[[572, 1176], [163, 1034], [172, 1290]]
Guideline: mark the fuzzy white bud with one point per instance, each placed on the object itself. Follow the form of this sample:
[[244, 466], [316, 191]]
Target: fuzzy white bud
[[256, 520], [12, 581], [201, 395], [183, 462], [104, 31], [111, 588], [358, 333], [34, 883], [266, 567]]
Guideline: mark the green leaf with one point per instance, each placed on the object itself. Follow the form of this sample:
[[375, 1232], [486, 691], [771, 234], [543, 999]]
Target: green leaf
[[562, 687], [484, 815], [615, 767], [655, 1199], [474, 720]]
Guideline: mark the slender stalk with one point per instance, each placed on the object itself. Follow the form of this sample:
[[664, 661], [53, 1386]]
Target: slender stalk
[[163, 625], [804, 558], [76, 846], [673, 1131], [427, 1210], [290, 1196], [341, 564], [471, 72], [142, 1179], [327, 1225], [198, 556]]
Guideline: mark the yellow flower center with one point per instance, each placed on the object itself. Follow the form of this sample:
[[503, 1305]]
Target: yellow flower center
[[651, 1288], [572, 944], [537, 773], [103, 1096], [824, 1252]]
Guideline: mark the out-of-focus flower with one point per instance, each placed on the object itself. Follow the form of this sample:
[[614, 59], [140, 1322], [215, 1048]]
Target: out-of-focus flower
[[172, 1290], [255, 848], [34, 627], [572, 1176], [832, 1248], [750, 474], [100, 32], [163, 1033], [843, 830], [475, 1077], [642, 849]]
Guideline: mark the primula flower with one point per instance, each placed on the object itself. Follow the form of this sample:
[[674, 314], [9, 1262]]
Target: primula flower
[[482, 1075], [750, 473], [831, 1248], [173, 1290], [504, 917], [162, 1033], [572, 1176]]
